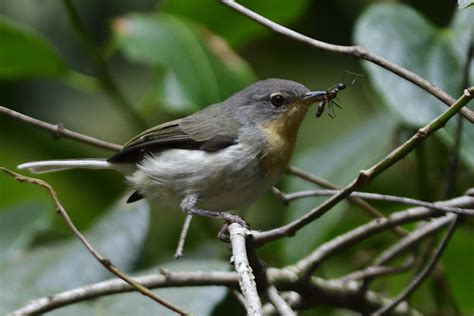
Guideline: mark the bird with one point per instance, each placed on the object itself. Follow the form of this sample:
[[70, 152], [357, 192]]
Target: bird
[[221, 158]]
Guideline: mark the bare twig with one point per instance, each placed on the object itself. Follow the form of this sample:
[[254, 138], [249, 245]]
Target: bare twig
[[329, 293], [424, 272], [379, 197], [376, 271], [115, 286], [414, 238], [59, 131], [308, 264], [353, 51], [101, 69], [338, 294], [238, 236], [104, 261], [182, 236], [372, 211], [281, 306], [366, 176], [407, 243]]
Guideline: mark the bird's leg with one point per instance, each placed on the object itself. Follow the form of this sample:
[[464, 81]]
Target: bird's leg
[[182, 236], [188, 206]]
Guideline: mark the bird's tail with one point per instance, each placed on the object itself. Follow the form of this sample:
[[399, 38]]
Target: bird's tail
[[58, 165]]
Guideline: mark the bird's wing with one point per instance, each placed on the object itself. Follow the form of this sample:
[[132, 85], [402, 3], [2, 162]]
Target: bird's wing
[[200, 131]]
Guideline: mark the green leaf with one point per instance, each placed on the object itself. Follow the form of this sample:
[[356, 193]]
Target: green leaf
[[463, 4], [195, 300], [19, 225], [49, 269], [236, 29], [399, 34], [200, 68], [25, 54], [365, 145]]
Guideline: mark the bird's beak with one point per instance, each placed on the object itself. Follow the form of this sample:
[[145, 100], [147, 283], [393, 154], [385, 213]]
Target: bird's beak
[[314, 96]]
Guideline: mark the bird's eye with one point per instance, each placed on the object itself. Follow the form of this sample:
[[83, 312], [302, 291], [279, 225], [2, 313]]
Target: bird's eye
[[277, 100]]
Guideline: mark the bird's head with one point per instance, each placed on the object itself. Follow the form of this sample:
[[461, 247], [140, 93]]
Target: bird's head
[[275, 103]]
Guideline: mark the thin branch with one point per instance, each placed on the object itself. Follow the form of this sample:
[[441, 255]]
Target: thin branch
[[330, 294], [290, 297], [414, 238], [104, 261], [238, 236], [182, 236], [58, 130], [366, 176], [281, 306], [310, 293], [310, 263], [353, 51], [100, 66], [379, 197], [424, 273], [372, 211], [371, 272], [409, 242], [116, 286]]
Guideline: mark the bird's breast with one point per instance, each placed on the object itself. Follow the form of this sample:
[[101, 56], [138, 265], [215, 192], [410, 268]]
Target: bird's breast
[[280, 138]]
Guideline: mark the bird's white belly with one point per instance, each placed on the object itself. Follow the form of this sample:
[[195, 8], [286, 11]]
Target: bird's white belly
[[227, 179]]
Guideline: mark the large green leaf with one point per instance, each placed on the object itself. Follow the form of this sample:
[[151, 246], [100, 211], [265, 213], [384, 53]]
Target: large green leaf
[[46, 270], [25, 54], [365, 144], [401, 35], [195, 300], [196, 76], [236, 29]]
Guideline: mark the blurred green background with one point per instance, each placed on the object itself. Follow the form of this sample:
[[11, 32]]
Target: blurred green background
[[171, 58]]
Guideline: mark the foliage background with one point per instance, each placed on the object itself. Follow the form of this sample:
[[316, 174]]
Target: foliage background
[[170, 58]]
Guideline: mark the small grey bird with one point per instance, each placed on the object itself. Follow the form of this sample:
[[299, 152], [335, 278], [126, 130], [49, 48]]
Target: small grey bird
[[221, 158]]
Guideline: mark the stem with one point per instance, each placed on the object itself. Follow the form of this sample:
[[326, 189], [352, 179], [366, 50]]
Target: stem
[[423, 274], [58, 130], [102, 260]]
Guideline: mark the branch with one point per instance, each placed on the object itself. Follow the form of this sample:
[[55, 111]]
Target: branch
[[371, 272], [116, 286], [58, 130], [329, 293], [238, 236], [104, 261], [353, 51], [308, 264], [281, 306], [372, 211], [317, 291], [414, 238], [366, 176], [379, 197], [424, 273]]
